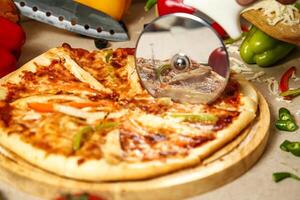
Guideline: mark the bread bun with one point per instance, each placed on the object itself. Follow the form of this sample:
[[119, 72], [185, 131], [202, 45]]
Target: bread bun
[[280, 31]]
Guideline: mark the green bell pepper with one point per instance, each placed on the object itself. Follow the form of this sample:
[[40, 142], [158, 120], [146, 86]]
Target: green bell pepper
[[286, 121], [279, 176], [200, 117], [263, 50], [293, 147], [285, 114]]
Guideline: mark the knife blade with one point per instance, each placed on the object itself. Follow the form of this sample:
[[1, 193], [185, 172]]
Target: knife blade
[[75, 17]]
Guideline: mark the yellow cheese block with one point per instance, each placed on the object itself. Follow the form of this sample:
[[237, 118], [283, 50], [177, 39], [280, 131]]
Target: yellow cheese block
[[114, 8]]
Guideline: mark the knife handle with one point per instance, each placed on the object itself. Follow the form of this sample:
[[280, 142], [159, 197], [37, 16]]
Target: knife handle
[[114, 8]]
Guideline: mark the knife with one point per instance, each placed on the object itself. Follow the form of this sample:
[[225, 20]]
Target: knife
[[75, 17]]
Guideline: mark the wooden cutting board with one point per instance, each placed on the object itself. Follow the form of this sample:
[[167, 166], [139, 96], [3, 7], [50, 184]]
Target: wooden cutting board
[[222, 167]]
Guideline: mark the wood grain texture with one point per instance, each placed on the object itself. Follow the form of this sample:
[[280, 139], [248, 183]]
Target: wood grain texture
[[222, 167], [280, 31]]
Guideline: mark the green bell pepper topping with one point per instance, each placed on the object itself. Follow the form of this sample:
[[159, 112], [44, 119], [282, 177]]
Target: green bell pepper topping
[[291, 93], [279, 176], [284, 114], [108, 55], [160, 70], [286, 121], [78, 137], [286, 125], [292, 147], [297, 5], [202, 117], [263, 50], [106, 125]]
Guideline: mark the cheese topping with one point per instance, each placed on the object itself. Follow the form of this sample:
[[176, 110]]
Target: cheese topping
[[277, 12], [90, 117]]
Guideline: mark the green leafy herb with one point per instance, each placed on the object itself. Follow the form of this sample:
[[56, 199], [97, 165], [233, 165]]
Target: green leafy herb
[[279, 176]]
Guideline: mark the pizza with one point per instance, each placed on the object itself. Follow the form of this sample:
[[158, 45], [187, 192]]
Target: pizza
[[85, 115]]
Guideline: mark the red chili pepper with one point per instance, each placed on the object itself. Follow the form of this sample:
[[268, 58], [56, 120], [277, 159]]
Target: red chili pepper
[[12, 36], [284, 81]]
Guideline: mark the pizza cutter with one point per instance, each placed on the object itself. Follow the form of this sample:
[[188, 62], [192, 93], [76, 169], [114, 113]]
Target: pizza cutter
[[180, 55]]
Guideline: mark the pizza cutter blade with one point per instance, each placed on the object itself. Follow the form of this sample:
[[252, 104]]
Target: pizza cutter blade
[[181, 57]]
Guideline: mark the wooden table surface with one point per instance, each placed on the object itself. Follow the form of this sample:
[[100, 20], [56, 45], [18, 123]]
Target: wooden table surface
[[257, 183]]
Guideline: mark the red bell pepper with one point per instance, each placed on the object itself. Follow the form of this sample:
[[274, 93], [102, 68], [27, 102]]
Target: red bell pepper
[[7, 62], [284, 81], [12, 36]]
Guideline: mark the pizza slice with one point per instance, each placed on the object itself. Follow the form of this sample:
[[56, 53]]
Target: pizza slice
[[53, 72]]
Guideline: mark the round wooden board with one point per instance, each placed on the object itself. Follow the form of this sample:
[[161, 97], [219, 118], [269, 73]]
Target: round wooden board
[[222, 167]]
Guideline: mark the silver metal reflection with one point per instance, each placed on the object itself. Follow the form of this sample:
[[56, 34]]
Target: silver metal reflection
[[180, 56]]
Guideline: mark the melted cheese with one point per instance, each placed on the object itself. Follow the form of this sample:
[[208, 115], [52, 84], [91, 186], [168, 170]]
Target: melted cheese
[[154, 122], [277, 12], [31, 115], [90, 117], [3, 93]]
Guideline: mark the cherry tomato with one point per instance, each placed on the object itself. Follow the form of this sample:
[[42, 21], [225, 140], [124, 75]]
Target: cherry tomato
[[218, 61]]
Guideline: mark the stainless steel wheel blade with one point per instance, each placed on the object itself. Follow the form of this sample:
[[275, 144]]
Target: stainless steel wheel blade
[[180, 56]]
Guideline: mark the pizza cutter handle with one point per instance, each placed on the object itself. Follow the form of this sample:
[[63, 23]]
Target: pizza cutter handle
[[224, 12]]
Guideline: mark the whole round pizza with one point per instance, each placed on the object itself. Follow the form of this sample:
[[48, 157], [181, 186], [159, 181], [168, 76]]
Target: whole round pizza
[[84, 115]]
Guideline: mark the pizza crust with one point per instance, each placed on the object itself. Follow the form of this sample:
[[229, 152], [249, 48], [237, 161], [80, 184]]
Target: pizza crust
[[92, 170]]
